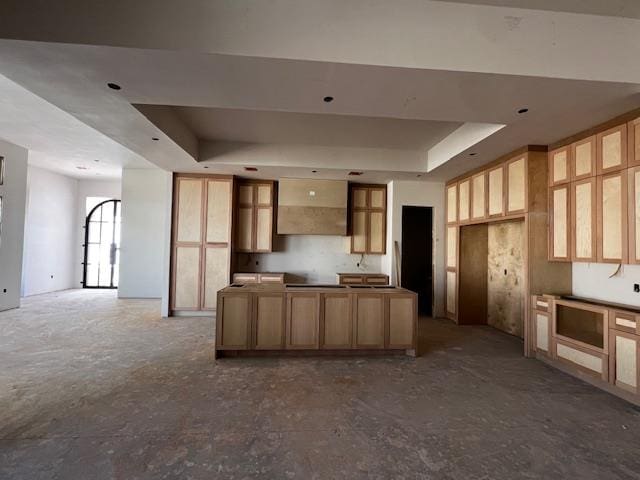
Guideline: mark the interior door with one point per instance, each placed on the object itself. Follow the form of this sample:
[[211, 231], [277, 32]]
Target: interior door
[[102, 246], [417, 255]]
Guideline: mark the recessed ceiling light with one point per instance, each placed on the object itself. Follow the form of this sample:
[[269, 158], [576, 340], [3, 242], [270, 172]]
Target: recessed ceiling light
[[96, 160], [418, 175], [523, 110], [473, 154], [250, 169], [328, 99], [81, 168], [206, 166], [114, 86], [155, 139], [314, 171], [355, 174]]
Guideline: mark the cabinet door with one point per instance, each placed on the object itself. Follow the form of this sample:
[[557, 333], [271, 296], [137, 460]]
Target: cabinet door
[[496, 192], [624, 360], [264, 195], [359, 197], [583, 220], [452, 203], [264, 229], [402, 318], [559, 246], [303, 314], [516, 185], [634, 215], [359, 234], [452, 294], [464, 200], [377, 197], [218, 218], [633, 141], [233, 321], [611, 154], [583, 158], [244, 237], [369, 321], [559, 166], [269, 321], [542, 326], [216, 274], [189, 210], [479, 196], [376, 235], [186, 278], [336, 325], [613, 236], [452, 247]]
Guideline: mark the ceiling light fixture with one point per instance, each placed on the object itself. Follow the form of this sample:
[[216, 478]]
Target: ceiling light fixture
[[523, 110], [206, 166], [250, 169], [328, 99], [96, 160], [155, 139], [472, 154], [82, 168], [314, 171], [355, 174], [114, 86]]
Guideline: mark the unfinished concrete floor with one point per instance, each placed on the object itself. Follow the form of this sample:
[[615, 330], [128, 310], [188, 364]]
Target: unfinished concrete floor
[[92, 387]]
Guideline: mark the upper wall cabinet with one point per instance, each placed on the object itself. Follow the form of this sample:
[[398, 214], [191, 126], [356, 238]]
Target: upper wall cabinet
[[634, 215], [254, 216], [611, 149], [479, 196], [633, 140], [496, 177], [452, 203], [583, 220], [559, 166], [464, 200], [368, 219], [612, 217], [559, 208], [583, 158], [516, 185]]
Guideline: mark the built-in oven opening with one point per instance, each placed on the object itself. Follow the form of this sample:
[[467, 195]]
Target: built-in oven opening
[[585, 326]]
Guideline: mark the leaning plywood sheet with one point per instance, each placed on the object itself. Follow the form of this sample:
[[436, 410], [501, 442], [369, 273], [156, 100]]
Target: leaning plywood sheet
[[505, 282]]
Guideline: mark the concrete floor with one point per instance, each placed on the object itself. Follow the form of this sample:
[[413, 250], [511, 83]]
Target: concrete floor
[[92, 387]]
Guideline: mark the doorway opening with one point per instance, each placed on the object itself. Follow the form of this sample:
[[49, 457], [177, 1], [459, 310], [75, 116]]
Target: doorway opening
[[102, 246], [417, 255]]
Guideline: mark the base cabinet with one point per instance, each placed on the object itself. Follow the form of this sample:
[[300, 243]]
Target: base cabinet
[[303, 312], [233, 322], [368, 321], [624, 351], [542, 331], [584, 359], [402, 315], [335, 332], [269, 325]]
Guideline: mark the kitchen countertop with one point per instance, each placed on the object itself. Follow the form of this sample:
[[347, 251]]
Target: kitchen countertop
[[322, 288]]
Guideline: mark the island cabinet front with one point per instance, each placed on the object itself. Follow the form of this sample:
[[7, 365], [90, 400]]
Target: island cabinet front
[[336, 321], [368, 320], [233, 321], [303, 316]]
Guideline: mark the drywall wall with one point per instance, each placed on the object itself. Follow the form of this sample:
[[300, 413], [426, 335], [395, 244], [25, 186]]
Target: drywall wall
[[309, 258], [419, 194], [50, 226], [592, 280], [13, 193], [107, 189], [144, 193]]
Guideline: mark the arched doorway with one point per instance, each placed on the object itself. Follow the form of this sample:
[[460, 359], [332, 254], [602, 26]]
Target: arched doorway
[[102, 246]]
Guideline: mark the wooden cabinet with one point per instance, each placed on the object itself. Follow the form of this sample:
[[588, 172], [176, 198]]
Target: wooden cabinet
[[464, 200], [368, 219], [262, 277], [516, 185], [452, 247], [336, 321], [254, 216], [369, 321], [559, 166], [612, 217], [303, 316], [583, 220], [559, 208], [624, 360], [633, 143], [362, 279], [452, 203], [233, 321], [634, 215], [201, 235], [542, 332], [451, 293], [496, 187], [611, 149], [583, 158], [479, 196], [269, 321], [401, 318]]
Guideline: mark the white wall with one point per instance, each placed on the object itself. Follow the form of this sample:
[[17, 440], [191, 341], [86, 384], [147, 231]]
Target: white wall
[[89, 188], [417, 194], [144, 219], [13, 193], [309, 258], [50, 232], [592, 280]]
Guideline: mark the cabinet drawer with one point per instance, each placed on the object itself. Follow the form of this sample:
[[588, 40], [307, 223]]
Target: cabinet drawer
[[624, 321], [586, 360], [271, 278], [376, 280], [243, 278], [540, 303], [351, 280]]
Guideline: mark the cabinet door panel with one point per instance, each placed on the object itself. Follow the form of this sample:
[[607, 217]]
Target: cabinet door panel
[[479, 197], [377, 197], [452, 203], [302, 321], [245, 194], [612, 149], [337, 325], [376, 232], [583, 158], [452, 247], [269, 322], [559, 166], [186, 278], [583, 220], [624, 349], [496, 192], [464, 200], [451, 293], [559, 228], [359, 197], [359, 237], [218, 211], [245, 229], [189, 217], [633, 131], [516, 186], [402, 312], [264, 223], [233, 322], [543, 331], [612, 218], [634, 215], [216, 277], [369, 321], [264, 194]]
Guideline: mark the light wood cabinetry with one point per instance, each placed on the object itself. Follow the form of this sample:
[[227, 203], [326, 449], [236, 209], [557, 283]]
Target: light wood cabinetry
[[634, 215], [559, 212], [516, 185], [368, 219], [624, 360], [401, 315], [583, 158], [559, 166], [362, 279], [612, 217], [368, 325], [496, 194], [452, 203], [233, 326], [269, 321], [262, 277], [303, 317], [254, 216], [201, 237], [479, 196], [611, 149], [633, 142], [583, 220], [464, 200], [336, 321]]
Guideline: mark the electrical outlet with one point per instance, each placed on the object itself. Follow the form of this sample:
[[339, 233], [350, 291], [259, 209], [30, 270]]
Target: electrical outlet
[[636, 287]]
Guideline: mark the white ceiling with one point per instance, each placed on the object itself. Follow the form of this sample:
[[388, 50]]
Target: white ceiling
[[614, 8]]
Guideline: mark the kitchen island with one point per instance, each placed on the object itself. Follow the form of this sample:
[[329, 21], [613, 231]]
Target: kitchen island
[[290, 318]]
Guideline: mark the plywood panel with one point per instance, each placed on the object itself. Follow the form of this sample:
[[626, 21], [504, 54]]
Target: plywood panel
[[245, 194], [634, 214], [294, 220], [612, 217], [584, 194], [187, 278], [586, 360], [633, 130], [559, 166], [496, 192], [479, 197], [560, 222], [264, 194], [401, 322], [377, 197], [216, 275], [516, 186], [542, 332], [452, 203], [269, 321], [234, 328], [302, 322], [312, 193], [359, 237], [452, 246], [376, 232], [584, 158], [264, 224], [464, 200], [627, 360], [370, 321], [505, 274], [244, 229], [451, 292], [359, 197], [218, 211], [337, 321], [611, 150], [190, 196]]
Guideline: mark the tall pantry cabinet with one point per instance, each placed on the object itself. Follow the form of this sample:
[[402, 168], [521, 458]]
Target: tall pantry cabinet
[[201, 240]]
